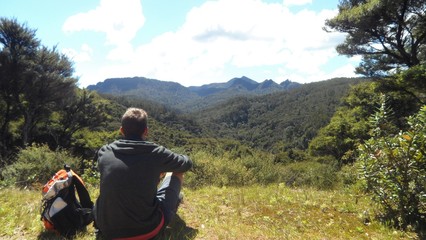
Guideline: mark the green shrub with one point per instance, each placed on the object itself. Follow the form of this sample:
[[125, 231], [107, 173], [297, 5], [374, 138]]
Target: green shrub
[[394, 170], [263, 168], [36, 164], [310, 173], [228, 170], [217, 170], [290, 156], [348, 174], [90, 173]]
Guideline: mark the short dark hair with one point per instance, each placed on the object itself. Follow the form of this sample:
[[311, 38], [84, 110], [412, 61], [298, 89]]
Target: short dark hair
[[134, 122]]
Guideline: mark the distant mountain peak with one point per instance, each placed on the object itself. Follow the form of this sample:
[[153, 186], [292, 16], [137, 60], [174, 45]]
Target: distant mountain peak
[[244, 82], [268, 83], [287, 84], [174, 94]]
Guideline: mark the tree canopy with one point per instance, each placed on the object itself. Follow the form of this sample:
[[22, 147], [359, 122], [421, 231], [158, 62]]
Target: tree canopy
[[388, 34], [39, 99], [33, 78], [391, 38]]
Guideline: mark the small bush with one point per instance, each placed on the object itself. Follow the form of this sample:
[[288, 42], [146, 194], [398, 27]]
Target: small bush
[[214, 170], [310, 173], [226, 170], [394, 170], [90, 174], [229, 170], [349, 175], [36, 164]]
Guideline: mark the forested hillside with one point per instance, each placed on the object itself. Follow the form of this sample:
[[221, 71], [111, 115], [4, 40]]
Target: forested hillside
[[170, 94], [280, 120], [277, 121], [188, 99]]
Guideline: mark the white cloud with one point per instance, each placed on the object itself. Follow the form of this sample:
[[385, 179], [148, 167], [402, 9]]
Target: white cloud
[[119, 20], [347, 70], [239, 33], [83, 55], [219, 36]]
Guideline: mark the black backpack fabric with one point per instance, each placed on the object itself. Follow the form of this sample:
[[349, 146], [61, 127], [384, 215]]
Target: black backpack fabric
[[61, 210]]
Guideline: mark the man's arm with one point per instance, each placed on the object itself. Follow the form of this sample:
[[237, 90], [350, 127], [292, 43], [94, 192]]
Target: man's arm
[[173, 162]]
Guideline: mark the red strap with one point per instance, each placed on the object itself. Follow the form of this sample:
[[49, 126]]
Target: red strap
[[146, 236]]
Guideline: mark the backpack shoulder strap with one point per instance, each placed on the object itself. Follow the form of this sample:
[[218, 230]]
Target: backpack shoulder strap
[[83, 194]]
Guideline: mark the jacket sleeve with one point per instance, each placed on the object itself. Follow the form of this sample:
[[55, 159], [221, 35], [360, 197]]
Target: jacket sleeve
[[173, 162]]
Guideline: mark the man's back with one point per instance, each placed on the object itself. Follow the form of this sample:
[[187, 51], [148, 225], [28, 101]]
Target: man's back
[[130, 170]]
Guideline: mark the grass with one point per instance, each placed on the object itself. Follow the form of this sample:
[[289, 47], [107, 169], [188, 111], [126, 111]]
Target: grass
[[255, 212]]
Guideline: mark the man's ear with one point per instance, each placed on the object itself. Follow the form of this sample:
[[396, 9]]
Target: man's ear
[[145, 133], [121, 131]]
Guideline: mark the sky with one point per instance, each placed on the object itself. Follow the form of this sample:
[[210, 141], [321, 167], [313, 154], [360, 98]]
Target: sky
[[192, 42]]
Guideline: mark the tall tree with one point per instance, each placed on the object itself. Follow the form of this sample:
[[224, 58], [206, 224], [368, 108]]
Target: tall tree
[[33, 79], [389, 34], [49, 83], [18, 49]]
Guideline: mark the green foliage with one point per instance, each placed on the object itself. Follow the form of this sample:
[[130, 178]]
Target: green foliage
[[310, 173], [412, 81], [290, 156], [228, 163], [18, 47], [39, 101], [50, 84], [86, 142], [84, 110], [394, 169], [35, 81], [277, 121], [232, 168], [218, 171], [348, 125], [389, 35], [382, 120], [349, 175], [36, 164], [91, 175]]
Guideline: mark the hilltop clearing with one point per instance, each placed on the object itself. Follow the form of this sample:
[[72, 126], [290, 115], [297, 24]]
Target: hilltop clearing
[[254, 212]]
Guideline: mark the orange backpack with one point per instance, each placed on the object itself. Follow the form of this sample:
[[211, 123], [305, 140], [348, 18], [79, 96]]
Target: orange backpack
[[61, 211]]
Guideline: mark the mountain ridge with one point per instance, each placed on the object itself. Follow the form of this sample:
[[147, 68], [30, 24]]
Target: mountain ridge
[[184, 98], [109, 85]]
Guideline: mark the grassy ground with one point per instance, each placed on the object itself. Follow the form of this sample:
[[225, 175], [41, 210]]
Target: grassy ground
[[256, 212]]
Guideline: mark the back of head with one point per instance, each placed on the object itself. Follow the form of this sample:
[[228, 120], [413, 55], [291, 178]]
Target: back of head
[[134, 122]]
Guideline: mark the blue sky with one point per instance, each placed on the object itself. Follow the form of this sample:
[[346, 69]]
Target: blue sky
[[193, 42]]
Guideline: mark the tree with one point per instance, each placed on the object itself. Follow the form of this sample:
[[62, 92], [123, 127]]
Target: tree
[[18, 49], [388, 34], [49, 83], [348, 126], [413, 82], [33, 79]]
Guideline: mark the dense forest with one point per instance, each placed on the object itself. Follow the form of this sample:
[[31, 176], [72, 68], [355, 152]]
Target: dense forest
[[269, 120], [368, 132], [188, 99]]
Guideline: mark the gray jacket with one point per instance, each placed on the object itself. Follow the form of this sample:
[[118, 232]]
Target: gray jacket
[[127, 204]]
